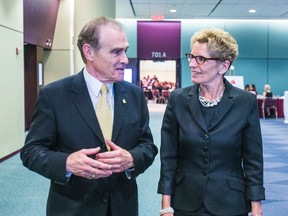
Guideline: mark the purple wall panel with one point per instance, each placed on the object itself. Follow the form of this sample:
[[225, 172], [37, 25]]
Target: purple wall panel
[[39, 22], [158, 39]]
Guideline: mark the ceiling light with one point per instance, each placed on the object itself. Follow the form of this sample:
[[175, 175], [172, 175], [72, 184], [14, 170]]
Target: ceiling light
[[173, 10], [252, 11]]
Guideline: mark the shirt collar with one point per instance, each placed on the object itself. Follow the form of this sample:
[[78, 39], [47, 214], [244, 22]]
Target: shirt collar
[[95, 85]]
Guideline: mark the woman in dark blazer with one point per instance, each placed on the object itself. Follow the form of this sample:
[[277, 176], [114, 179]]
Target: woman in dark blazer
[[211, 146]]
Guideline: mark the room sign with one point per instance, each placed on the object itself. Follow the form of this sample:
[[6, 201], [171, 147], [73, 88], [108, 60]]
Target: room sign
[[158, 40]]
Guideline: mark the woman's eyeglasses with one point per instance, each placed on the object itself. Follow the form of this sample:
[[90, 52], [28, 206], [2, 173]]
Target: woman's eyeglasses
[[199, 59]]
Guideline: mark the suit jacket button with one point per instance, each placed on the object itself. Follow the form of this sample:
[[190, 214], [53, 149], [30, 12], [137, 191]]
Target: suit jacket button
[[206, 136], [105, 199], [205, 160], [205, 148]]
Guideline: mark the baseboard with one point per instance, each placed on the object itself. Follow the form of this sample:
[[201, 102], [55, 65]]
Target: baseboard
[[9, 156]]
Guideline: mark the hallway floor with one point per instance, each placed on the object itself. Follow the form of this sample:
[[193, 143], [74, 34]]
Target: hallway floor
[[24, 193]]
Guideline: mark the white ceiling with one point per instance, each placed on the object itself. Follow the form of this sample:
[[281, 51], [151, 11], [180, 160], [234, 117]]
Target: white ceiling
[[202, 9]]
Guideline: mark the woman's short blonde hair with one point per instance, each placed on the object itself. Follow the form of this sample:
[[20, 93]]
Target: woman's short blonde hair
[[220, 43], [267, 87]]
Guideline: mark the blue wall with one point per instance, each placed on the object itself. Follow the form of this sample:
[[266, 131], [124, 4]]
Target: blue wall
[[130, 26], [263, 49]]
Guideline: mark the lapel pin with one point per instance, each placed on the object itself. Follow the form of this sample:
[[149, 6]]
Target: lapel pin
[[123, 101]]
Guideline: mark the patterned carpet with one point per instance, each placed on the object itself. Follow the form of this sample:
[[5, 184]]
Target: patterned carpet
[[275, 140], [24, 193]]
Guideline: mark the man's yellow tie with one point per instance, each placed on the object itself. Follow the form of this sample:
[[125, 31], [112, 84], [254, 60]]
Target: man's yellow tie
[[104, 115]]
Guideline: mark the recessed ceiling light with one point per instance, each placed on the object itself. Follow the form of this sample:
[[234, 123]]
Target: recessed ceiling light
[[173, 10], [252, 11]]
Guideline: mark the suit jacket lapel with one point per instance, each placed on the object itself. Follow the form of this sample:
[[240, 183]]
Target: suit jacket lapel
[[224, 106], [195, 108], [80, 97], [120, 108]]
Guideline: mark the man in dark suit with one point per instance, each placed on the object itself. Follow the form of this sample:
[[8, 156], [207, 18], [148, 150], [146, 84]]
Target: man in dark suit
[[92, 174]]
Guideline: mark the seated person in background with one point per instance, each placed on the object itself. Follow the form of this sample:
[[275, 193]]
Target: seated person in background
[[267, 91], [267, 94], [247, 87], [157, 85], [144, 83], [253, 89]]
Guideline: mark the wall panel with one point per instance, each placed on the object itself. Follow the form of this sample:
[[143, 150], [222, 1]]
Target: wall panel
[[11, 92], [254, 71], [11, 14], [252, 38], [278, 40], [39, 22], [278, 76]]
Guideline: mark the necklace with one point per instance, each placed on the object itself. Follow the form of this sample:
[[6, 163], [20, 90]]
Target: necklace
[[209, 103]]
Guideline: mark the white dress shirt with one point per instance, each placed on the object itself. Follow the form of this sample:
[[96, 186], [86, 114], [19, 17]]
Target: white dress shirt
[[94, 87]]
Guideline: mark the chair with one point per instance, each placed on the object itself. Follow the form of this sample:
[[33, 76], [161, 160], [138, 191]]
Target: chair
[[166, 95], [155, 93], [268, 105], [148, 94]]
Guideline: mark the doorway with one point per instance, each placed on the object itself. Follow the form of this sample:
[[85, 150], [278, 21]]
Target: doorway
[[158, 78]]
